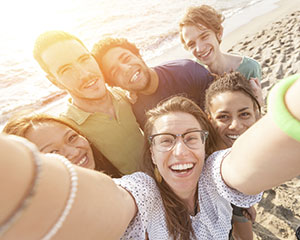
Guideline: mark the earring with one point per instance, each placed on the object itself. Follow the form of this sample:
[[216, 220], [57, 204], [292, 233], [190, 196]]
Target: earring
[[157, 175]]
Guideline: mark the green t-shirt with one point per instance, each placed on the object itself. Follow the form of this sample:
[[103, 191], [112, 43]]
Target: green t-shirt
[[120, 140]]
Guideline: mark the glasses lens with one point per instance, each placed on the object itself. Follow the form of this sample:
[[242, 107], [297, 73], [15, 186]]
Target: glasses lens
[[164, 142], [194, 140]]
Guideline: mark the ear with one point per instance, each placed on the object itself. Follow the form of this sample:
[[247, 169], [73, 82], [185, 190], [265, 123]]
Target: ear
[[152, 156], [220, 35], [52, 79]]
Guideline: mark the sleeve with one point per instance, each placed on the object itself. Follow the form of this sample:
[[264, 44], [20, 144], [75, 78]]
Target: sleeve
[[143, 189], [251, 69], [212, 171]]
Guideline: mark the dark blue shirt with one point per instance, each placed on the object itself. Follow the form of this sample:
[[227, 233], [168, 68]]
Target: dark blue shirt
[[184, 77]]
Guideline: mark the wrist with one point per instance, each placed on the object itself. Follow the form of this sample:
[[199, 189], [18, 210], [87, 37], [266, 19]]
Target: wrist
[[282, 106]]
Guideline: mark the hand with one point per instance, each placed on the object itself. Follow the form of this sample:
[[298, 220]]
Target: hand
[[132, 97], [256, 87], [250, 213]]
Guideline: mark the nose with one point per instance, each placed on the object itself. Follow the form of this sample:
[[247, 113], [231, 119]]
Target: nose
[[235, 124], [199, 46], [70, 152], [82, 71], [180, 149]]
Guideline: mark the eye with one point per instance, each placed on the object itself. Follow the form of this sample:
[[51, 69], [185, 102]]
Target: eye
[[245, 114], [85, 58], [54, 151], [73, 137], [222, 117], [64, 70], [205, 37], [126, 59], [191, 45], [164, 140]]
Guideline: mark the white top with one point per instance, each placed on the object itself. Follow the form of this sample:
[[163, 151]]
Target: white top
[[213, 221]]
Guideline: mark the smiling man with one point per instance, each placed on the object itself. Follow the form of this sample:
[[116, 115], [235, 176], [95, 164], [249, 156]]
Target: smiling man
[[123, 66], [102, 114]]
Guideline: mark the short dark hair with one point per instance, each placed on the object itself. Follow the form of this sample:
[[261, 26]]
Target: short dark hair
[[101, 47]]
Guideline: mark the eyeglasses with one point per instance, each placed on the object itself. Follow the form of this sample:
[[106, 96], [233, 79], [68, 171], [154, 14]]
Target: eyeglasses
[[164, 142]]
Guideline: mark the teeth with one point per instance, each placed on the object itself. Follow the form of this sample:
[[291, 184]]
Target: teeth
[[82, 161], [234, 137], [184, 166], [90, 83], [205, 54], [135, 76]]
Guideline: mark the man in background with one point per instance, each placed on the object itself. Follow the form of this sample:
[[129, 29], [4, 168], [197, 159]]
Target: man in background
[[123, 66]]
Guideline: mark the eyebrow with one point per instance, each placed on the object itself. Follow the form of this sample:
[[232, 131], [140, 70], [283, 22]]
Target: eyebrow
[[68, 64], [49, 144], [240, 110]]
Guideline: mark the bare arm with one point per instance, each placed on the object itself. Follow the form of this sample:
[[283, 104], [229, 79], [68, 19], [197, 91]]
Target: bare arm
[[264, 156], [101, 209]]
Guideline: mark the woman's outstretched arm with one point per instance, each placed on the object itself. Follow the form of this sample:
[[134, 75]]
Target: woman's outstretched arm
[[101, 209], [265, 156]]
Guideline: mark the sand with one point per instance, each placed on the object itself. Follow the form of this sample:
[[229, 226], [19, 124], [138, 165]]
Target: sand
[[273, 39]]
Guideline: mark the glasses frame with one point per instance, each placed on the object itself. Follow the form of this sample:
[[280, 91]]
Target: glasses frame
[[203, 132]]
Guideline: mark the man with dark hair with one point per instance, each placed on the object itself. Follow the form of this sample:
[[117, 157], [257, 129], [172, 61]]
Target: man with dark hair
[[123, 66], [102, 114]]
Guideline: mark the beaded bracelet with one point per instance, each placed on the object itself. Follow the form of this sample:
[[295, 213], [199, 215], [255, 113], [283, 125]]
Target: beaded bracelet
[[280, 114], [71, 198], [12, 218]]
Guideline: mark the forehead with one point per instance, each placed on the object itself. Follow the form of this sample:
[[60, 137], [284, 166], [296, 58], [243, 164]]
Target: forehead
[[230, 101], [191, 31], [42, 133], [63, 52], [175, 122]]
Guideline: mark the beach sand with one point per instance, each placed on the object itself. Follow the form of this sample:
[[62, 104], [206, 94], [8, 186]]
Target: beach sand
[[273, 39]]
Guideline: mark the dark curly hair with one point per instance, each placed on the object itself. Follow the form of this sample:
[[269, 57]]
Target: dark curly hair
[[100, 49], [233, 82]]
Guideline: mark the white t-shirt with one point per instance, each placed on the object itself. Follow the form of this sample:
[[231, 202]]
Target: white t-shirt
[[213, 221]]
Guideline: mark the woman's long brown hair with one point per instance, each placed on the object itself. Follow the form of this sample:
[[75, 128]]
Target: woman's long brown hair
[[177, 215]]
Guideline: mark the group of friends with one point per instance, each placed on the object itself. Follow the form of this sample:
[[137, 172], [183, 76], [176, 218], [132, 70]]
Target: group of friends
[[169, 144]]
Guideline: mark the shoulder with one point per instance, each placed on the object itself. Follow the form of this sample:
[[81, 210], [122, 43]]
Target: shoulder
[[180, 63], [250, 61], [137, 183]]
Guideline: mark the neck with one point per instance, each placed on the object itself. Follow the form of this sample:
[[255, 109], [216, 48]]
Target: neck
[[225, 62], [102, 105], [191, 200], [153, 83]]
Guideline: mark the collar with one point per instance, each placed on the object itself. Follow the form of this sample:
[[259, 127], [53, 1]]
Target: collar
[[80, 116]]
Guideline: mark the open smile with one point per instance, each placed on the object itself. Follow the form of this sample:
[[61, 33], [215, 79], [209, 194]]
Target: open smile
[[205, 54], [90, 83], [135, 77], [82, 161], [182, 169]]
